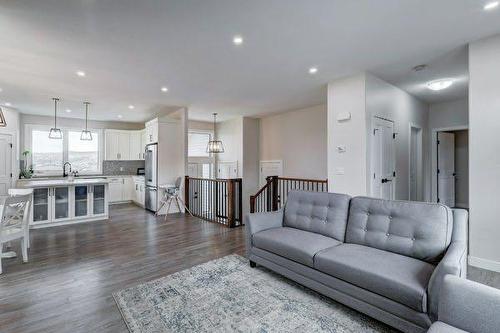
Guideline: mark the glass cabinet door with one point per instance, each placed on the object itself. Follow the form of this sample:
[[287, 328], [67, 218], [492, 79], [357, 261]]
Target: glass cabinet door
[[98, 199], [61, 202], [81, 200], [41, 204]]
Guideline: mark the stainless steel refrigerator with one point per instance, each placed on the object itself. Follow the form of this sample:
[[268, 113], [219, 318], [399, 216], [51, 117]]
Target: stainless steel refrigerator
[[151, 177]]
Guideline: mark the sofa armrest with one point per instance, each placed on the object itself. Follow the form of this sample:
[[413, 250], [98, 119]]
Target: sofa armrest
[[469, 306], [454, 261], [261, 221]]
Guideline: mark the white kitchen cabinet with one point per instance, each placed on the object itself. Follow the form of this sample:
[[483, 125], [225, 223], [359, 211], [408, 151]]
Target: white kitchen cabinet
[[152, 131], [136, 152], [121, 189], [118, 146], [143, 143], [139, 191]]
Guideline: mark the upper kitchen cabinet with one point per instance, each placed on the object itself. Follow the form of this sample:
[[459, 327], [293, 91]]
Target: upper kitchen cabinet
[[123, 145], [152, 131]]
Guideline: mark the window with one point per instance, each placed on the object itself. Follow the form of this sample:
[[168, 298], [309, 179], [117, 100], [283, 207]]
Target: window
[[49, 155], [197, 144], [83, 155]]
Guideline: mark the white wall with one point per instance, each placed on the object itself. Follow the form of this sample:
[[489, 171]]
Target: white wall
[[12, 118], [231, 134], [462, 168], [299, 139], [200, 125], [250, 160], [347, 172], [484, 152], [389, 102], [449, 114]]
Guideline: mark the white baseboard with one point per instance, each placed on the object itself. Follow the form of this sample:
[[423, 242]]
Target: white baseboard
[[490, 265]]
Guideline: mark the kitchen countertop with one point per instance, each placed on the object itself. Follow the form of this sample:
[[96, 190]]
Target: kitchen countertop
[[62, 182]]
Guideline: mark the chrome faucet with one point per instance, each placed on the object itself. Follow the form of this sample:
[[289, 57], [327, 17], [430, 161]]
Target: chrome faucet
[[64, 169]]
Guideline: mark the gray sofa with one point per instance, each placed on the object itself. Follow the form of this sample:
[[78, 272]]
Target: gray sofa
[[386, 259], [467, 306]]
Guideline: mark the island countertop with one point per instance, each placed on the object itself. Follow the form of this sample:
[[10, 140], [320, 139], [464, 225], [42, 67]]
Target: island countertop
[[62, 182]]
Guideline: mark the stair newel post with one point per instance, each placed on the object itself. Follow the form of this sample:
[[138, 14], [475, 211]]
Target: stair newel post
[[275, 193], [231, 212], [252, 204], [186, 194]]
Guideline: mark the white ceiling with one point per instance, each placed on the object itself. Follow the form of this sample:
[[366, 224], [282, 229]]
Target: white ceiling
[[130, 48]]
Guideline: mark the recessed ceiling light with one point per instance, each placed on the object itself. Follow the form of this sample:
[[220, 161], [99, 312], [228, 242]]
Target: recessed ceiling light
[[120, 116], [68, 110], [439, 84], [313, 70], [164, 89], [491, 5], [237, 40], [7, 104], [80, 73], [131, 107]]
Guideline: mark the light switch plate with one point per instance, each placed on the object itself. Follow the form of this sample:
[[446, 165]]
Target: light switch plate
[[339, 171], [343, 116], [341, 149]]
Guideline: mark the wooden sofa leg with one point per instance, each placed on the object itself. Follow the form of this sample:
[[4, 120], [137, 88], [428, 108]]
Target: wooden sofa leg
[[253, 264]]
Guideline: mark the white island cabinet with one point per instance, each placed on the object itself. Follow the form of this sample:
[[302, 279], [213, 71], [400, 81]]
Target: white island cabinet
[[60, 201]]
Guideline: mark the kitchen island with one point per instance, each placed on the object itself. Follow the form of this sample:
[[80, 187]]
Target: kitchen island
[[66, 201]]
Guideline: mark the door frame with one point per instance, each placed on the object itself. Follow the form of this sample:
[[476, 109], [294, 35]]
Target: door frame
[[371, 150], [14, 161], [433, 143], [420, 166]]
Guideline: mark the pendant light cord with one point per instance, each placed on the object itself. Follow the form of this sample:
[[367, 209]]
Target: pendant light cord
[[55, 111]]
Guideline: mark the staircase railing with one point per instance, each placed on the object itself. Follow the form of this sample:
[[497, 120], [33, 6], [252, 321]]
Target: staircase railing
[[274, 193], [215, 200]]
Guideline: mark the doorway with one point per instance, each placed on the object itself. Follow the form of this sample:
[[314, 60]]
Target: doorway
[[415, 185], [270, 168], [5, 163], [383, 171], [451, 167]]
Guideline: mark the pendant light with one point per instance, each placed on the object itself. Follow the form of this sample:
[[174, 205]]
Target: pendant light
[[55, 133], [86, 134], [215, 146], [3, 123]]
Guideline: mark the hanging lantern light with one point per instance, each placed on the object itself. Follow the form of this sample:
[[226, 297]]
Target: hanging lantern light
[[215, 146], [55, 133], [86, 134]]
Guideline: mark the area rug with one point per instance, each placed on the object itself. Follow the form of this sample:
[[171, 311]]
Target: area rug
[[226, 295]]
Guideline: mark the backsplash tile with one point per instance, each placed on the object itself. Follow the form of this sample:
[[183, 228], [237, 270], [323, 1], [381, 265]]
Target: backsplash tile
[[112, 168]]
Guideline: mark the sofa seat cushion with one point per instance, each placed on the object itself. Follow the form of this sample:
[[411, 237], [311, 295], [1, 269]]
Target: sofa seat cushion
[[294, 244], [402, 279]]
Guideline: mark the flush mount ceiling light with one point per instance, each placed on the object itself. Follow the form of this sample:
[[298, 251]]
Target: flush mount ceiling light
[[86, 134], [55, 133], [80, 73], [440, 84], [313, 70], [164, 89], [491, 5], [3, 123], [131, 107], [237, 40], [215, 146]]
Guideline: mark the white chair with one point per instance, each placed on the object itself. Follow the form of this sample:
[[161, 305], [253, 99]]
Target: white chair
[[23, 191], [171, 193], [14, 223]]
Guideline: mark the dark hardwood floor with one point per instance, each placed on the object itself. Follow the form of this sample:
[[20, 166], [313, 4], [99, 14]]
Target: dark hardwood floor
[[73, 270]]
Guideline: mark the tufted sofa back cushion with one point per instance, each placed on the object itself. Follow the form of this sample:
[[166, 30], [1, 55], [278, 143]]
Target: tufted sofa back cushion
[[322, 213], [414, 229]]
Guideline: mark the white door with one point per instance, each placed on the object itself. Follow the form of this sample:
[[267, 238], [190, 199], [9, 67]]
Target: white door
[[228, 170], [446, 168], [415, 163], [5, 163], [270, 168], [383, 159]]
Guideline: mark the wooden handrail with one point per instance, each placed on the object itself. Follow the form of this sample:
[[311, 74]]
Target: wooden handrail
[[273, 194]]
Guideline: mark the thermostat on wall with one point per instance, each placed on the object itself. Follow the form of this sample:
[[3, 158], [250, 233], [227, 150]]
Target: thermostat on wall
[[344, 116]]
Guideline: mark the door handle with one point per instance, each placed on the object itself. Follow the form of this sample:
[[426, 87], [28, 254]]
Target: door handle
[[385, 180]]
